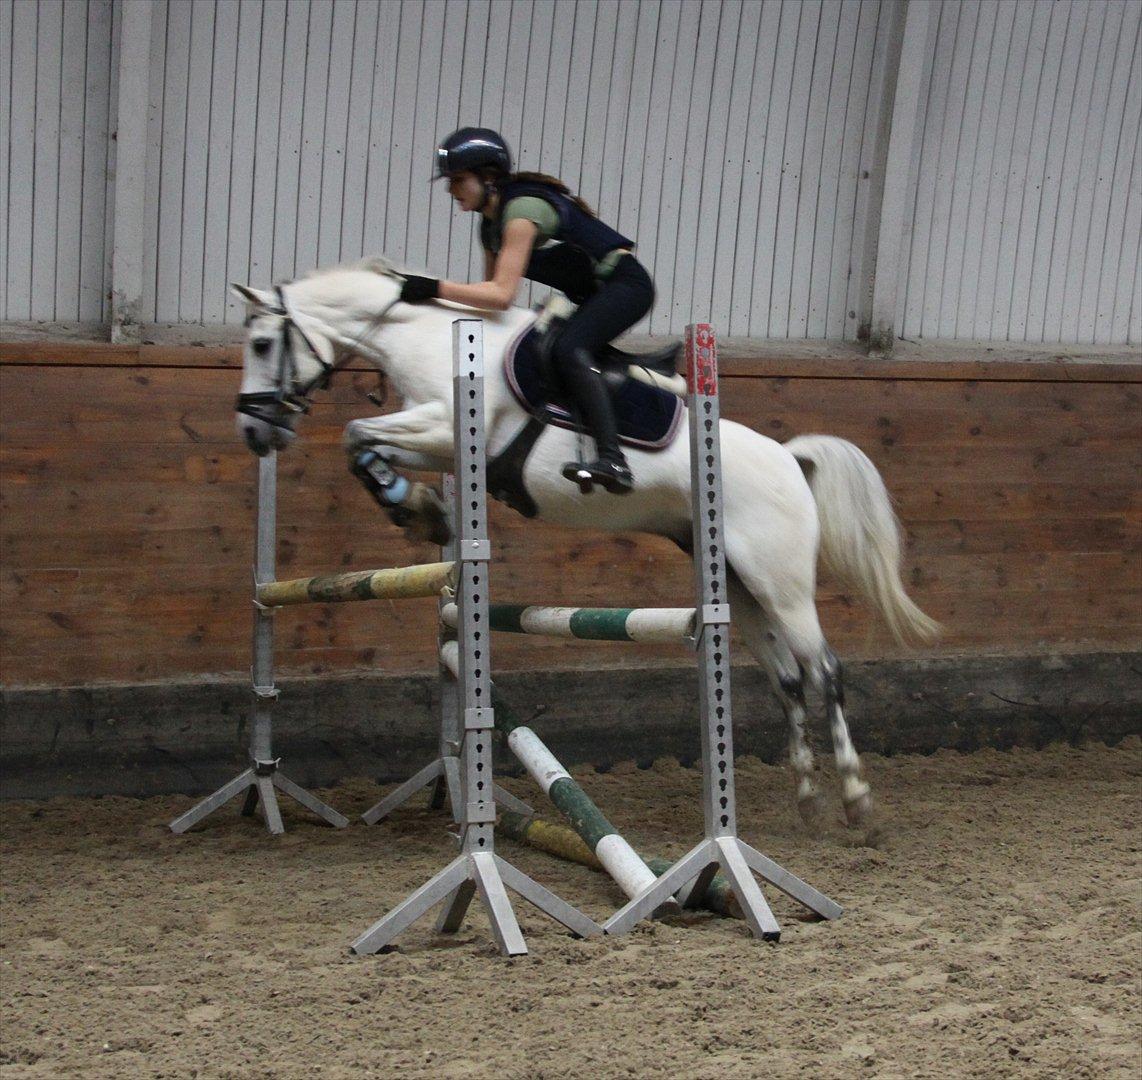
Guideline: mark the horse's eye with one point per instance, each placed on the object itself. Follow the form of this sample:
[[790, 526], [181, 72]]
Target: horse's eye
[[261, 345]]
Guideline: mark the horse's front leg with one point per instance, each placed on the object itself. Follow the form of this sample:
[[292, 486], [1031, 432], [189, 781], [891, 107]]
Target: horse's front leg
[[419, 438]]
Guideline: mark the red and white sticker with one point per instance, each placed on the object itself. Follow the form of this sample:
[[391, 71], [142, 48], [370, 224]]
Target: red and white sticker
[[701, 360]]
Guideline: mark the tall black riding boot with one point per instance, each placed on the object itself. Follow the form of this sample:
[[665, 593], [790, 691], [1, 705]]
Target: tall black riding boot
[[610, 467]]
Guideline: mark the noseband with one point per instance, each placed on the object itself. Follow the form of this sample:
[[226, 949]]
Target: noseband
[[291, 395]]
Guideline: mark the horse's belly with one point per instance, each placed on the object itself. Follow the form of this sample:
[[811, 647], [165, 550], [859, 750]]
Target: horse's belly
[[659, 502]]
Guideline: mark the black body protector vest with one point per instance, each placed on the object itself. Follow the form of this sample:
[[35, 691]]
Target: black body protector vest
[[568, 261]]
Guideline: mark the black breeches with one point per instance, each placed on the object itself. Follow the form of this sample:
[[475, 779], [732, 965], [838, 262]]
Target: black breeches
[[624, 298], [621, 300]]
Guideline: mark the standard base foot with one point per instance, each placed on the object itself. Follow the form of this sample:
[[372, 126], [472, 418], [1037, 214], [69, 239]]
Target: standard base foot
[[444, 775], [691, 874], [474, 872], [259, 787]]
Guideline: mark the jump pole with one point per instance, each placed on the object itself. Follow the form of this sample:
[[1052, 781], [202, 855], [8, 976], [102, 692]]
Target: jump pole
[[628, 869], [264, 774], [691, 875], [646, 625], [477, 868], [443, 773], [564, 843]]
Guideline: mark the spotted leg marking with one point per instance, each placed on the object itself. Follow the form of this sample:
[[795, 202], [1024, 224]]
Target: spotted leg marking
[[791, 691], [855, 791], [764, 642]]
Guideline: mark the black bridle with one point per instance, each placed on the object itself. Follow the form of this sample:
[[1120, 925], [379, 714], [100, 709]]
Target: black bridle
[[291, 395], [275, 407]]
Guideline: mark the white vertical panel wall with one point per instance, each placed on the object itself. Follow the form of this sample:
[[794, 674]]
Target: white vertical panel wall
[[57, 64], [727, 137], [734, 139], [1027, 179]]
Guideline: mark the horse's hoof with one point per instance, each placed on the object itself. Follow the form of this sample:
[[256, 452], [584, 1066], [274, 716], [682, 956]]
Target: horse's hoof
[[427, 519], [429, 531], [421, 530], [858, 808], [812, 809]]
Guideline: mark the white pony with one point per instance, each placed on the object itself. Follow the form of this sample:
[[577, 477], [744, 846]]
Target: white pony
[[784, 504]]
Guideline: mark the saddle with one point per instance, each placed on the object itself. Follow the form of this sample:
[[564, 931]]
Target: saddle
[[648, 416]]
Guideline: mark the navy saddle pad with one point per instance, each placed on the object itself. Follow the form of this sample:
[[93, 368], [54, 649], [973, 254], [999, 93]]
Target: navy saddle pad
[[648, 418]]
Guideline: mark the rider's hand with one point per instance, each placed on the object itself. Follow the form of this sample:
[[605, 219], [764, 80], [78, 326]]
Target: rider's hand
[[416, 290]]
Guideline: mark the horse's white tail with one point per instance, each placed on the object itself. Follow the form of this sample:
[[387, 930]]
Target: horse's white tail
[[860, 536]]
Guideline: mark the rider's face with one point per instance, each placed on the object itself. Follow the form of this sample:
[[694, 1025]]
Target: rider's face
[[467, 189]]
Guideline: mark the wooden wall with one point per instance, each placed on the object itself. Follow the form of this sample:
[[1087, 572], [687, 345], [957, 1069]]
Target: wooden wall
[[127, 514]]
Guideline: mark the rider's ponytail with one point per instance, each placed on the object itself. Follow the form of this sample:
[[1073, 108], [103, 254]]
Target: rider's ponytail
[[551, 181]]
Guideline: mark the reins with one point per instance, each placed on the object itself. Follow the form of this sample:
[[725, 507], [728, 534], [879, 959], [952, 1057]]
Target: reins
[[291, 395]]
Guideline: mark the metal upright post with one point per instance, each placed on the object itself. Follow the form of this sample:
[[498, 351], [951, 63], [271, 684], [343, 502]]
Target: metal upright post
[[690, 876], [444, 772], [477, 868], [448, 783], [263, 776]]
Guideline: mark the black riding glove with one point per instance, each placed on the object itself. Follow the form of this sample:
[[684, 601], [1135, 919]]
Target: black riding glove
[[416, 290]]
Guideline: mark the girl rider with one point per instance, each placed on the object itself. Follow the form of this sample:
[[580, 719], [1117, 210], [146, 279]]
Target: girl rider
[[532, 226]]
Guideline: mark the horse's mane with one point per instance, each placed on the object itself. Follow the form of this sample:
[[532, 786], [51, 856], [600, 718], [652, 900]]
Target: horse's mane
[[373, 264], [385, 267]]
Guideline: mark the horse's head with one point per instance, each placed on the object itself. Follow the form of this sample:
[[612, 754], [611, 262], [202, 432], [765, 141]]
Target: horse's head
[[287, 356]]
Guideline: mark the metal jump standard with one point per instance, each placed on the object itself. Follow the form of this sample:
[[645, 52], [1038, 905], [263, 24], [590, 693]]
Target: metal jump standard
[[477, 868], [721, 847], [264, 774]]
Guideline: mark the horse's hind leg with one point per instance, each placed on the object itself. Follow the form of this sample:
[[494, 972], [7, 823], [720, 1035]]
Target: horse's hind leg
[[855, 791], [769, 649], [790, 658]]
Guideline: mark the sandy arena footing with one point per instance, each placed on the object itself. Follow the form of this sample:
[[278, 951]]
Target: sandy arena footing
[[993, 928]]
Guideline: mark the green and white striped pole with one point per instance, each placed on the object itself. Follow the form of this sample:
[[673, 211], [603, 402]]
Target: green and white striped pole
[[669, 626], [563, 843], [617, 857]]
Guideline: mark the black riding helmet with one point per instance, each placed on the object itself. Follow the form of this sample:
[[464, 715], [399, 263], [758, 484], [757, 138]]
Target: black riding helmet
[[473, 149]]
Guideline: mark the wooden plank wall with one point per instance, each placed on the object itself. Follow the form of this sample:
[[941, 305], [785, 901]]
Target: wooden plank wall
[[127, 516]]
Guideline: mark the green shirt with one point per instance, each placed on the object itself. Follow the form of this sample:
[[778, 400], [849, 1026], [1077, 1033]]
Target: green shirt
[[546, 220]]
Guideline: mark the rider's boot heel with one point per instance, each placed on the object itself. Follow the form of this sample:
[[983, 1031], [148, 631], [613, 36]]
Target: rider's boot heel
[[613, 472], [612, 475], [579, 473]]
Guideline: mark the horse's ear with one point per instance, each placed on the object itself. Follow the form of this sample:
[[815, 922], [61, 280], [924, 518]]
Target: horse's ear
[[257, 297]]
